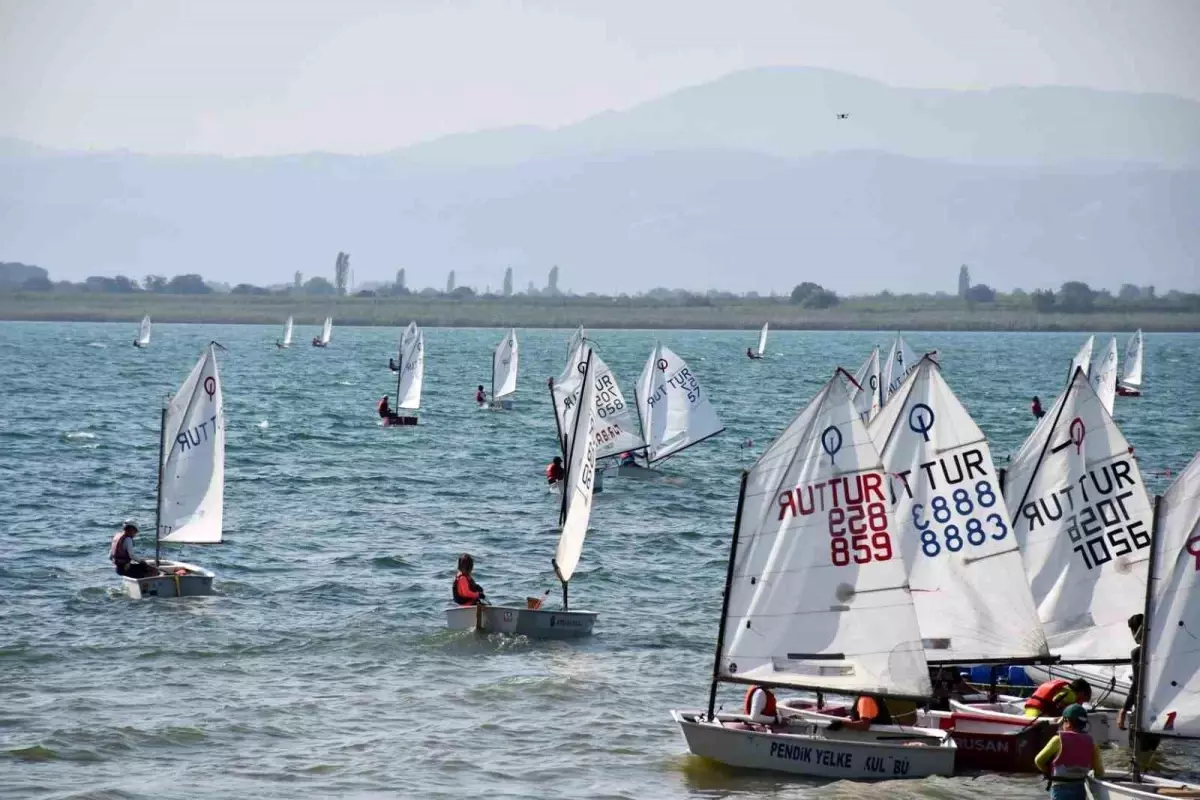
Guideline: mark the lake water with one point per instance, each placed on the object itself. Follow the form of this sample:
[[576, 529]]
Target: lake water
[[323, 667]]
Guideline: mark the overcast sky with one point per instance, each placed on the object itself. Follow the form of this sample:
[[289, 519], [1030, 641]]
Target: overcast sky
[[237, 77]]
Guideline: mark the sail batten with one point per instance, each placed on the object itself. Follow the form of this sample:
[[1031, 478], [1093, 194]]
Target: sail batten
[[192, 493], [674, 410], [1082, 519], [950, 518], [812, 601]]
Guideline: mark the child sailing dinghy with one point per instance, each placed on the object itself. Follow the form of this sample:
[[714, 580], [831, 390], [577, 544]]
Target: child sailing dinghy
[[410, 375], [762, 343], [566, 623], [504, 371], [816, 599], [673, 410], [1168, 696], [143, 337], [191, 482], [616, 431], [1130, 384], [287, 335], [326, 334]]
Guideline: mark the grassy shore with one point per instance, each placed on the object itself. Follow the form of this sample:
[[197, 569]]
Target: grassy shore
[[852, 314]]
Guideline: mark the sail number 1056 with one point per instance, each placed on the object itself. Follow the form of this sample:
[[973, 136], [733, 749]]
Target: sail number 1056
[[859, 532]]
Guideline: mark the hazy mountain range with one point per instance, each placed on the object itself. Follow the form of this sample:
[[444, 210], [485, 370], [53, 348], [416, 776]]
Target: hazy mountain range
[[748, 182]]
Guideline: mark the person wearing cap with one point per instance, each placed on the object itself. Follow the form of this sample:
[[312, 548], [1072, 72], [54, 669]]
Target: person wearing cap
[[1145, 743], [1067, 758], [120, 552]]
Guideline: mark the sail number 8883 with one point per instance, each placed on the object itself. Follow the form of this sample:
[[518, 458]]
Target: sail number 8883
[[868, 540], [974, 531]]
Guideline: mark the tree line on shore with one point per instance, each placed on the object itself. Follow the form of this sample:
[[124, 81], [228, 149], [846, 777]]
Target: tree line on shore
[[1072, 297]]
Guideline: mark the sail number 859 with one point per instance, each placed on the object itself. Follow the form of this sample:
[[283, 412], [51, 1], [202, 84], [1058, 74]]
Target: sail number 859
[[868, 540]]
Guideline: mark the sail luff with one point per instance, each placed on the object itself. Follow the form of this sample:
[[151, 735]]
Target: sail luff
[[581, 470]]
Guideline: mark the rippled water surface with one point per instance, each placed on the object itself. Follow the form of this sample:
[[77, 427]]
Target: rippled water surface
[[323, 666]]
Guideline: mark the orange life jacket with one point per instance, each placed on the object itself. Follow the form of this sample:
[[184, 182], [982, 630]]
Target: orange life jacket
[[1043, 698], [464, 595], [768, 709]]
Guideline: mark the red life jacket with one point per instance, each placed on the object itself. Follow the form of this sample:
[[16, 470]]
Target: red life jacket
[[464, 595], [554, 472], [1043, 698], [768, 709], [1074, 759]]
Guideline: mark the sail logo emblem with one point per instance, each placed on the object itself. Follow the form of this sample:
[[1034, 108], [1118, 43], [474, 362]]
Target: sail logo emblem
[[1077, 432], [661, 364], [831, 442], [210, 386], [1193, 548], [874, 383], [919, 422]]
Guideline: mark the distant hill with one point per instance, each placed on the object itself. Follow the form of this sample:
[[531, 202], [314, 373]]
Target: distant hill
[[749, 182]]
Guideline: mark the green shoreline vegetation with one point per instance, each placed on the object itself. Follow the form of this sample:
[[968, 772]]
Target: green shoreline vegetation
[[26, 293]]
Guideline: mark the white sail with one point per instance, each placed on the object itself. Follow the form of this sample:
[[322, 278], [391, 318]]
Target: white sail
[[581, 471], [1172, 685], [762, 339], [900, 362], [192, 496], [1104, 376], [412, 369], [1082, 519], [616, 429], [865, 391], [504, 366], [1131, 370], [144, 332], [327, 330], [818, 595], [955, 535], [287, 333], [576, 340], [1083, 359], [674, 410]]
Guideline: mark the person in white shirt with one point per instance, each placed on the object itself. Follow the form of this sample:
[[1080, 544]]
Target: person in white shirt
[[760, 706], [120, 552]]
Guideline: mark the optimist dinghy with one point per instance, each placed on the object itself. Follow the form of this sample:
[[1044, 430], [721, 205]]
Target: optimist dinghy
[[326, 334], [762, 344], [1168, 700], [504, 372], [191, 482], [1130, 384], [531, 620], [409, 377], [816, 598], [287, 336], [616, 429], [143, 337]]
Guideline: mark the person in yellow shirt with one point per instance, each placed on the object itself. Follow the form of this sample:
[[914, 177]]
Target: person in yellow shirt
[[1069, 756]]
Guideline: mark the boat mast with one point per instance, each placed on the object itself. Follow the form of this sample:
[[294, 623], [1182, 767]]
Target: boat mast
[[399, 371], [562, 441], [737, 524], [493, 394], [1140, 700], [566, 486], [162, 438]]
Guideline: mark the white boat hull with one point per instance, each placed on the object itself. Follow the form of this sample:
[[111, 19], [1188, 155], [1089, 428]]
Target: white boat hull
[[1102, 722], [1120, 787], [883, 753], [193, 582], [503, 404], [516, 620], [636, 471], [1110, 684]]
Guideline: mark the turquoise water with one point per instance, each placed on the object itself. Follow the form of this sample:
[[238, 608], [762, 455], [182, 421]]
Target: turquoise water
[[323, 667]]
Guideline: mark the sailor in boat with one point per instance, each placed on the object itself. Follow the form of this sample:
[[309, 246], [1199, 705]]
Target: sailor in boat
[[121, 554], [555, 471], [135, 342], [279, 344], [1125, 391], [948, 685], [1049, 699], [751, 354], [1036, 408], [480, 396], [1069, 756], [871, 710], [759, 706], [392, 365], [385, 411], [1147, 743], [466, 591]]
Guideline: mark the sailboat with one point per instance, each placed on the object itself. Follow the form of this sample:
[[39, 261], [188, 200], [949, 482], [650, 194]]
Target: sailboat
[[504, 371], [816, 598], [762, 344], [143, 337], [326, 334], [531, 620], [287, 335], [616, 429], [867, 389], [674, 412], [900, 362], [1083, 359], [1082, 518], [1130, 384], [410, 375], [191, 482], [1168, 701], [1104, 376]]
